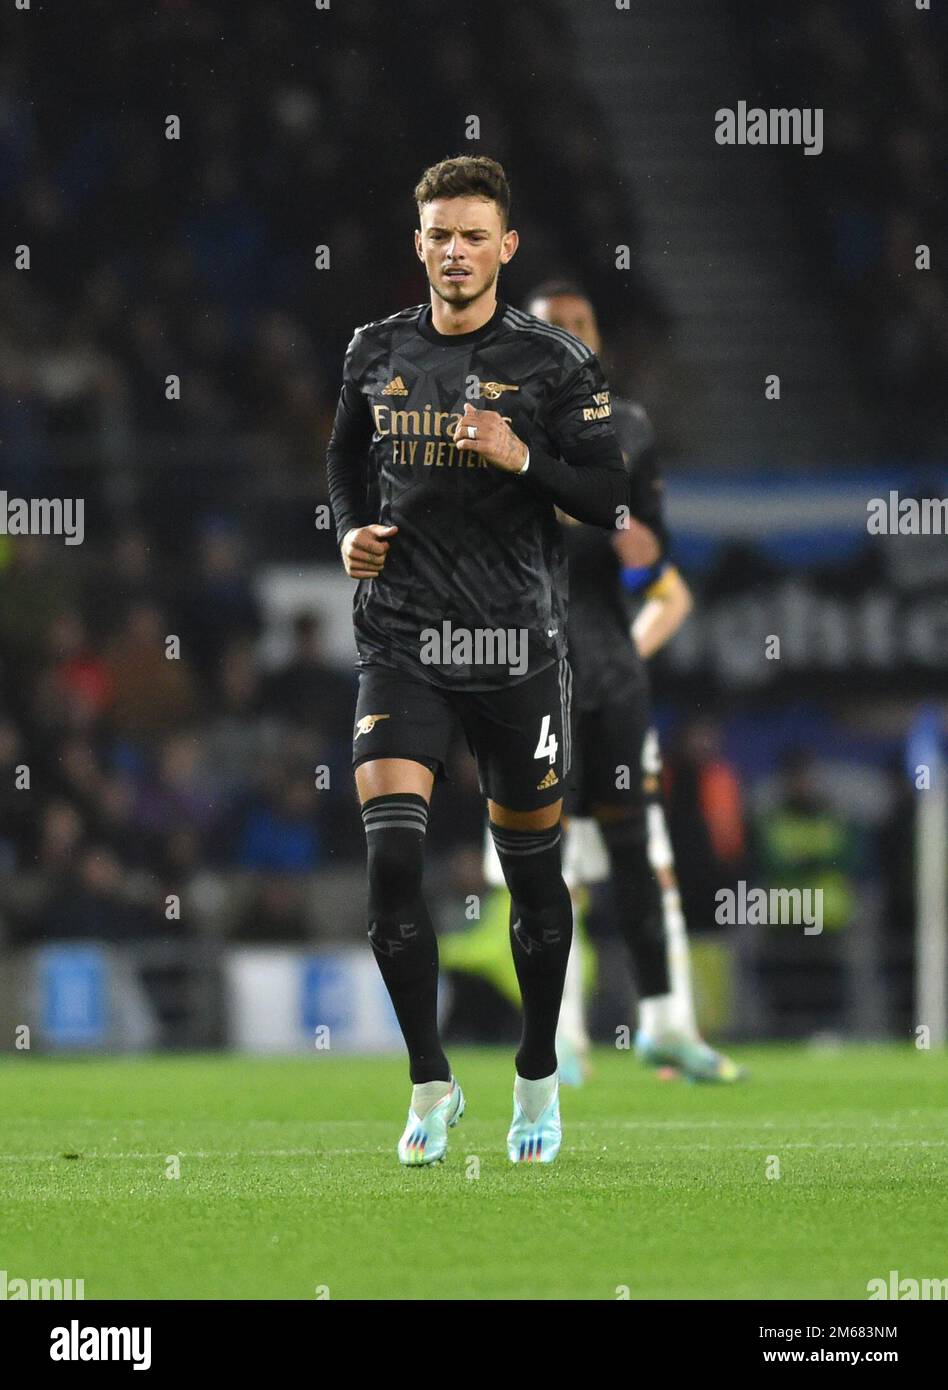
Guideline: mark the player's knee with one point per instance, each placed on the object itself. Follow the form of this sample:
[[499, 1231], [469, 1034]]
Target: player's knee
[[394, 872], [627, 832], [626, 843], [633, 877], [395, 828], [530, 860]]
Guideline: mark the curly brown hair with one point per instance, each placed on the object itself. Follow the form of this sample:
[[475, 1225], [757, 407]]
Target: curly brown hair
[[466, 176]]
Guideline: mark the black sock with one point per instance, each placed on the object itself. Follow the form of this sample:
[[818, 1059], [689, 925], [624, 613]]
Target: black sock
[[541, 928], [638, 903], [400, 929]]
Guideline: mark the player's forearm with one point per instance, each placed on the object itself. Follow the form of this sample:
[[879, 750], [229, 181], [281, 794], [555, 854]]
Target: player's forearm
[[652, 628], [662, 615], [346, 461], [347, 491], [591, 492]]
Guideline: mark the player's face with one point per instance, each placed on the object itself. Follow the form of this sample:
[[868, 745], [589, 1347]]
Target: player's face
[[463, 245], [572, 312]]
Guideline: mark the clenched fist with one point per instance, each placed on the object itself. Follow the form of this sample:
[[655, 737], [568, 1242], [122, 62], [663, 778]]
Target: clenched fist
[[493, 439], [364, 550]]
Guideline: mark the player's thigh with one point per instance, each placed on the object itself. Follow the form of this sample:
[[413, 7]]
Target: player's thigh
[[615, 757], [390, 776], [585, 860], [520, 737], [541, 819], [584, 737], [401, 734]]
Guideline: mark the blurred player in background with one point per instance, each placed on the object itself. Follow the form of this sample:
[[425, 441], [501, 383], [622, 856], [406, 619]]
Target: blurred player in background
[[616, 827], [453, 523]]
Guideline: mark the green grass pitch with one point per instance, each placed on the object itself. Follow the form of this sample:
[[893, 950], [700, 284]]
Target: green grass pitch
[[289, 1182]]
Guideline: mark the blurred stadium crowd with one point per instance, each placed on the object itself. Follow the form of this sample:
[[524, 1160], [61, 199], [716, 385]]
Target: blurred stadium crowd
[[196, 257], [146, 772], [877, 192]]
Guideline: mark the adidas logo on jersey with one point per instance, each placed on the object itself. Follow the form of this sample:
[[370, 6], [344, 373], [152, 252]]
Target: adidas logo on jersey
[[396, 387], [550, 780]]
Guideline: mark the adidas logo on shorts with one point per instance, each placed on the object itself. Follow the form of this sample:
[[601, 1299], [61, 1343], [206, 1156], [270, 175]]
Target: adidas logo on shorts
[[550, 780]]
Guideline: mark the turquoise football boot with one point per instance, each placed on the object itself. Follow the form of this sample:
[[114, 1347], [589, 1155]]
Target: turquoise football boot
[[426, 1141], [535, 1141], [696, 1061]]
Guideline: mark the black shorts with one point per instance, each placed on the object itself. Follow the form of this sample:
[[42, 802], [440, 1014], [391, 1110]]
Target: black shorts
[[519, 735], [617, 759]]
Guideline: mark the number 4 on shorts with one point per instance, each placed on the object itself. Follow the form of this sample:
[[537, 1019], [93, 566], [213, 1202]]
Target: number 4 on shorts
[[546, 744]]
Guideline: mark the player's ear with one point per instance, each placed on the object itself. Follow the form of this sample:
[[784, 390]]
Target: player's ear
[[508, 246], [420, 253]]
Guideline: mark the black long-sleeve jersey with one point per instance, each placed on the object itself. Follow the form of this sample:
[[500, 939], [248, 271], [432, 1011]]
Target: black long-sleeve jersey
[[602, 655], [477, 548]]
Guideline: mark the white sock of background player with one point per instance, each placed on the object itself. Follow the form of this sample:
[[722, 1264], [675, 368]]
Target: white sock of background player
[[572, 1024], [673, 1012]]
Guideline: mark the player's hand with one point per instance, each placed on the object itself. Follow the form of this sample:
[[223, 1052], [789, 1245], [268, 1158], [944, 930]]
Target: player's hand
[[494, 440], [635, 543], [364, 550]]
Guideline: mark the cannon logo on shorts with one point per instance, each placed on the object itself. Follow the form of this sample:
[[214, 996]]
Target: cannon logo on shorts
[[368, 722]]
